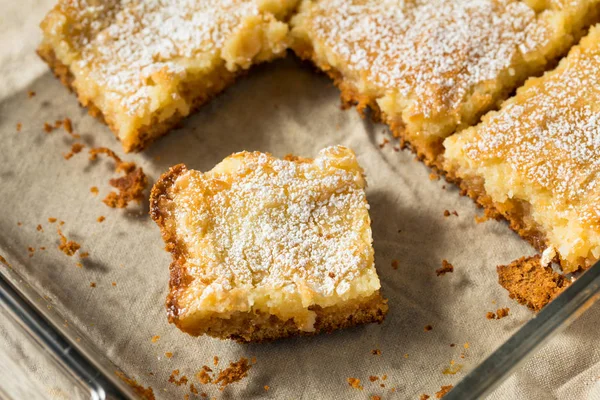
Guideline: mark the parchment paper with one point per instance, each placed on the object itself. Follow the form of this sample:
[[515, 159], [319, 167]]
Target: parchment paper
[[282, 108]]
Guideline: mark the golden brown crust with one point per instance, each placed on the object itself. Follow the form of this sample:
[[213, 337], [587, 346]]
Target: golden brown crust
[[430, 152], [529, 283], [514, 211], [244, 327], [148, 133]]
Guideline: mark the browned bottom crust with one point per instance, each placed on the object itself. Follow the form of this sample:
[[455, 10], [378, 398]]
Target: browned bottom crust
[[253, 326], [428, 151], [529, 283], [516, 212], [148, 133], [256, 326]]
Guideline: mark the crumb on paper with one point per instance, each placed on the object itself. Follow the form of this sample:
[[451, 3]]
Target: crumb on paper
[[94, 190], [354, 383], [433, 176], [376, 352], [142, 392], [155, 338], [48, 128], [266, 387], [19, 126], [216, 360], [502, 312], [85, 254], [530, 283], [331, 275], [168, 354], [30, 94], [466, 345], [130, 186], [375, 397], [453, 369], [204, 375], [43, 248], [443, 391], [395, 264], [423, 397], [75, 148], [78, 264], [234, 373], [446, 213], [481, 218], [68, 125], [373, 378], [92, 284], [490, 315], [52, 220], [177, 381], [428, 328], [406, 355], [39, 228], [446, 268], [101, 219], [193, 389], [382, 144], [19, 223], [69, 247], [114, 283]]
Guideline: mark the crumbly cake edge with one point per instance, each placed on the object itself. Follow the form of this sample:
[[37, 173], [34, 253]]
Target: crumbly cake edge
[[429, 153], [148, 133], [256, 326]]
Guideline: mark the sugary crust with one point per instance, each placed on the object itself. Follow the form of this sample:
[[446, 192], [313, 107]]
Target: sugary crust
[[253, 326], [155, 129], [430, 152]]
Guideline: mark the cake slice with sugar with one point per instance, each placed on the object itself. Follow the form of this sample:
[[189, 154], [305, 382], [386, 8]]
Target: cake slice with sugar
[[537, 160], [428, 68], [143, 65], [265, 248]]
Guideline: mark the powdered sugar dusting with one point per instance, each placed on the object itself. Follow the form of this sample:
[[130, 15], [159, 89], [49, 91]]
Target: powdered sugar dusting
[[300, 227], [125, 45], [550, 133], [432, 51]]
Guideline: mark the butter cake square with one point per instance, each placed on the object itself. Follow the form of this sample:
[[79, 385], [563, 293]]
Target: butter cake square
[[536, 161], [265, 248], [428, 68], [142, 65]]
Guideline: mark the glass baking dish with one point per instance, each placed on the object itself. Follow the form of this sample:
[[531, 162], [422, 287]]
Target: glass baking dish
[[95, 336]]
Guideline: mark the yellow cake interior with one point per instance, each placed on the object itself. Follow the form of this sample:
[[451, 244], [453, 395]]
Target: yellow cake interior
[[543, 148]]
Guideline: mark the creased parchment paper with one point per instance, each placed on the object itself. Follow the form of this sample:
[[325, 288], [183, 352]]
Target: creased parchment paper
[[282, 108]]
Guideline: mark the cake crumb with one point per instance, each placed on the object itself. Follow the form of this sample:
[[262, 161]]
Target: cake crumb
[[446, 267], [52, 220], [168, 354], [406, 355], [529, 283], [193, 389], [382, 144], [395, 264], [373, 378], [433, 176], [43, 248], [253, 360], [92, 284], [427, 328], [85, 254], [204, 375], [30, 94], [355, 383], [68, 125], [130, 186], [502, 312], [490, 315], [443, 391], [94, 190], [424, 397], [19, 126], [266, 387], [141, 391], [100, 219], [48, 128], [384, 377], [19, 223], [453, 369], [376, 352], [177, 381], [452, 344], [234, 373], [466, 345], [215, 361], [75, 148], [39, 228], [331, 275], [69, 247], [155, 338], [78, 264], [114, 283], [375, 397], [446, 213]]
